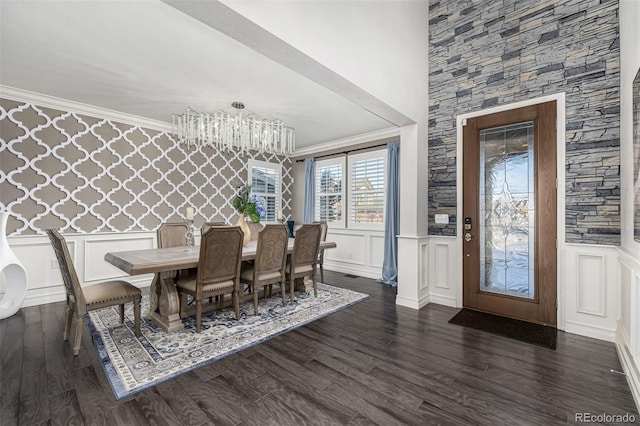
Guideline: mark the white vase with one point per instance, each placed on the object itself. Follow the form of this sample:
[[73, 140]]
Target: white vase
[[15, 276]]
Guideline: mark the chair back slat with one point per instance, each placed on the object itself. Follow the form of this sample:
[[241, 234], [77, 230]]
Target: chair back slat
[[306, 245], [67, 270], [271, 252], [220, 254]]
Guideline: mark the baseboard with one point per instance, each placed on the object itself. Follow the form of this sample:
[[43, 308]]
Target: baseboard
[[590, 331], [412, 303], [443, 300], [354, 270], [57, 293], [628, 365]]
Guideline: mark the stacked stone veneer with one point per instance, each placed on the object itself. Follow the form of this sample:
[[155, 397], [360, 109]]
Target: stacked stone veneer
[[488, 53], [84, 174]]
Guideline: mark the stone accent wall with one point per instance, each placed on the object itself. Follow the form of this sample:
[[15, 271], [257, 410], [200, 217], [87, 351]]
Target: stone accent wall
[[86, 174], [488, 53]]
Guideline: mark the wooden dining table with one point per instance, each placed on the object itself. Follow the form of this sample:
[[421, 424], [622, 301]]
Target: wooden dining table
[[164, 301]]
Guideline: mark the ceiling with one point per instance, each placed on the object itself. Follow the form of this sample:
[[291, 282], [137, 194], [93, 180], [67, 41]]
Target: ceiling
[[148, 59]]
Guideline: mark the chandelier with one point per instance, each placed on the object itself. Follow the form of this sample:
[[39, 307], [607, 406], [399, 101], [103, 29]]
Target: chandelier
[[233, 132]]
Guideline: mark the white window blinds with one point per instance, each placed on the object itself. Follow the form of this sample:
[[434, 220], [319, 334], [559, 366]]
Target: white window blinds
[[367, 176], [329, 191], [265, 179]]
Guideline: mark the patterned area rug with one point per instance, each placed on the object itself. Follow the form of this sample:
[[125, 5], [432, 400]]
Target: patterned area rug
[[133, 364]]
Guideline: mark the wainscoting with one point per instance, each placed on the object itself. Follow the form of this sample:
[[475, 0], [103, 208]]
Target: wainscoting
[[590, 285], [359, 252], [87, 251], [628, 320]]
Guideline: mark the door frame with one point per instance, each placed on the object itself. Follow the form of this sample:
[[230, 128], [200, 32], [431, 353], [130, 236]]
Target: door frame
[[560, 193]]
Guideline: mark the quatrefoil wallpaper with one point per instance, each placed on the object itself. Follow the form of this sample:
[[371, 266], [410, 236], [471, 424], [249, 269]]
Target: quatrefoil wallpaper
[[85, 174]]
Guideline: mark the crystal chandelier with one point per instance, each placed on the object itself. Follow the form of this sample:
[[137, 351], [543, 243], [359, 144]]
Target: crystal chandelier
[[233, 132]]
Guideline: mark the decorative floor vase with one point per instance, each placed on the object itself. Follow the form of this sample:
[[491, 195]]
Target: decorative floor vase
[[242, 223], [14, 273]]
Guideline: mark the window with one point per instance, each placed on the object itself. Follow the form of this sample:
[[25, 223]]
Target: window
[[367, 176], [266, 181], [363, 177], [330, 191]]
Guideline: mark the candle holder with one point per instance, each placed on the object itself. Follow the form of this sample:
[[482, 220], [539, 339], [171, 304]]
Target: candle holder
[[189, 235]]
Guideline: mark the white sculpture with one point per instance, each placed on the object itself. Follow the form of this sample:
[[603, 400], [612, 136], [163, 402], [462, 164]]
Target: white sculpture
[[15, 276]]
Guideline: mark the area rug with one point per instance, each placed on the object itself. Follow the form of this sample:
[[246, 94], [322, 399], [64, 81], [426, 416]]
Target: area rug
[[514, 329], [133, 364]]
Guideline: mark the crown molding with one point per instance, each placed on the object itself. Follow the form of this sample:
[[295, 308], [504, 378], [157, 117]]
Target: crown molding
[[53, 102], [389, 132]]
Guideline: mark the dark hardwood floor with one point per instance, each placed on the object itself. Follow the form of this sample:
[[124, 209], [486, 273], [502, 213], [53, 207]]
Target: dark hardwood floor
[[372, 363]]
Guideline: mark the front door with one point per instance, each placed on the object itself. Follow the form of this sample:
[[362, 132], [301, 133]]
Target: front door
[[509, 213]]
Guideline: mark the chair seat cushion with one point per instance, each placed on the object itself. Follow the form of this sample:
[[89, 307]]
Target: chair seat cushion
[[301, 269], [247, 275], [189, 284], [108, 291]]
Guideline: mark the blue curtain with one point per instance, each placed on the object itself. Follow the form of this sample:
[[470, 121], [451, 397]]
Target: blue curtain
[[392, 216], [309, 190]]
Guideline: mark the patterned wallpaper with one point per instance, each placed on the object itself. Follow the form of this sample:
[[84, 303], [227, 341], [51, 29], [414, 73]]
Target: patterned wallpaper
[[86, 174], [484, 54]]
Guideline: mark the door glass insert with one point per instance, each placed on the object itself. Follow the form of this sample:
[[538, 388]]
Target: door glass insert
[[507, 210]]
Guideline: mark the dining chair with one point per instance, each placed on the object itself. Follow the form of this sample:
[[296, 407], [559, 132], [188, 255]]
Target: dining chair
[[323, 237], [208, 225], [304, 258], [270, 262], [218, 270], [172, 234], [81, 300]]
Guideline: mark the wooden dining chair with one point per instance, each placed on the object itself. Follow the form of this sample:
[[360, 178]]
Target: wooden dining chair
[[172, 234], [218, 270], [81, 300], [208, 225], [304, 259], [270, 262], [323, 237]]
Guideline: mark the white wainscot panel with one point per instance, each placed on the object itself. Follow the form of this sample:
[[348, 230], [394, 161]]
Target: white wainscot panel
[[40, 261], [591, 295], [443, 279], [442, 273], [358, 252], [350, 249], [628, 332], [625, 301], [44, 282], [592, 284], [95, 267], [376, 251], [424, 265], [87, 252]]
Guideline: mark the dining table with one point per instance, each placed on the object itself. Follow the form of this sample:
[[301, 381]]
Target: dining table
[[164, 300]]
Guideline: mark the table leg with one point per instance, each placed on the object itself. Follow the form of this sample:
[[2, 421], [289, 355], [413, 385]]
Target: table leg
[[164, 304]]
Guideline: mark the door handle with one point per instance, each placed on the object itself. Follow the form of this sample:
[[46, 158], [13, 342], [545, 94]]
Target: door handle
[[467, 237]]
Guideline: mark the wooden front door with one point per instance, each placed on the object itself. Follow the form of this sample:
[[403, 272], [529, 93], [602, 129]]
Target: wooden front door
[[509, 213]]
